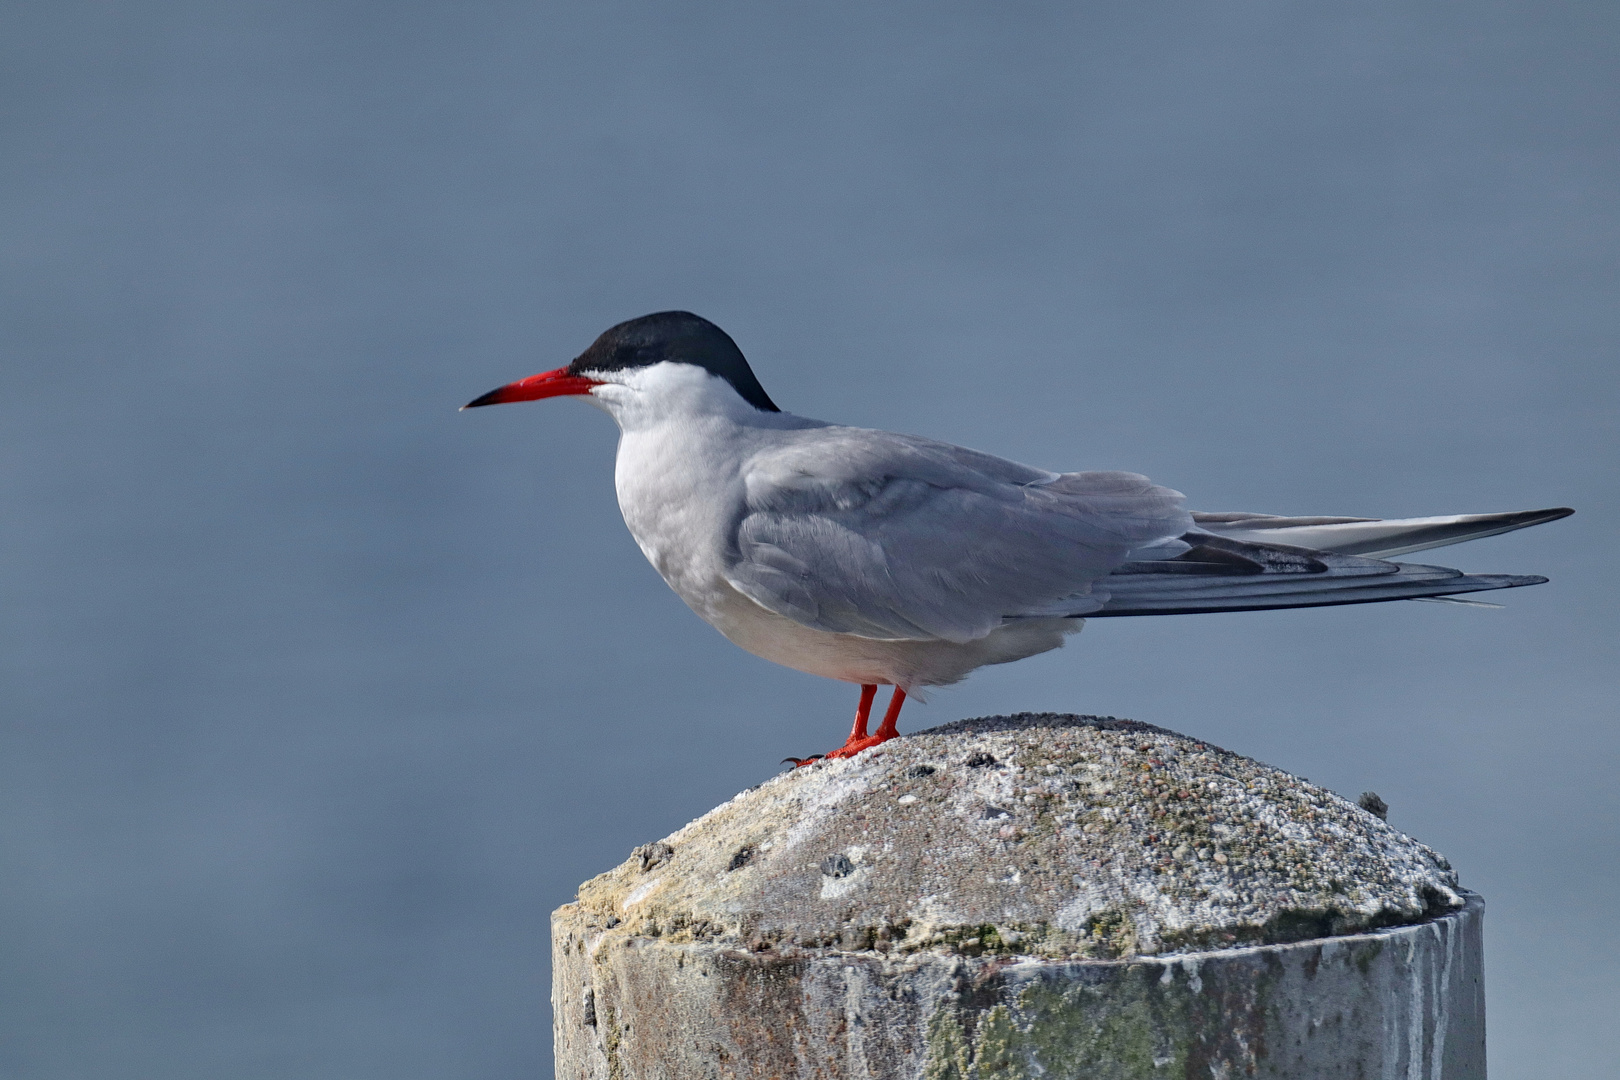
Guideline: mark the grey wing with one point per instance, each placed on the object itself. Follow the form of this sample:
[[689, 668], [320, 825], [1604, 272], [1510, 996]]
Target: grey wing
[[894, 537]]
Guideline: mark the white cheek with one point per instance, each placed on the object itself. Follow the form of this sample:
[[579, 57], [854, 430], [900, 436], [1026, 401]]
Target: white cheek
[[611, 397], [595, 398]]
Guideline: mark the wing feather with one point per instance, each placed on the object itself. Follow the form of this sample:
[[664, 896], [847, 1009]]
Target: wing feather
[[1372, 537], [896, 537], [1224, 574]]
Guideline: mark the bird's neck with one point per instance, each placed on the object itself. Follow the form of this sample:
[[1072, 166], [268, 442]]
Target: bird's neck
[[683, 452]]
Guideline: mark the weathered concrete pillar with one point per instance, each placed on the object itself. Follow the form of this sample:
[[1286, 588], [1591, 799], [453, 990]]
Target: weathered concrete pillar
[[1036, 895]]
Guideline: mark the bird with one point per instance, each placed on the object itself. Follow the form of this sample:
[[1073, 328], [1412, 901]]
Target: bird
[[878, 558]]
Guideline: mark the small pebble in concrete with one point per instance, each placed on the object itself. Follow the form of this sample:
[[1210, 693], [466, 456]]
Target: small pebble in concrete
[[837, 866], [651, 855], [1375, 806]]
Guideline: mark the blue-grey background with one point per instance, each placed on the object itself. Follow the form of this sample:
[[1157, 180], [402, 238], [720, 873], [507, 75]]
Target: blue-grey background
[[319, 696]]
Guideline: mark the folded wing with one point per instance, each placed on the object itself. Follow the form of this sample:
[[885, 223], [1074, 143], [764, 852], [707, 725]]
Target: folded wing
[[895, 537]]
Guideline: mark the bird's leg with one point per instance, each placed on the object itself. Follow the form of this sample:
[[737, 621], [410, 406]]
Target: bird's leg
[[887, 730], [863, 712], [858, 739], [857, 734]]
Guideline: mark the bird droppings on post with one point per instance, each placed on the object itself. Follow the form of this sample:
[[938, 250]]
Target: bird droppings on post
[[1067, 896]]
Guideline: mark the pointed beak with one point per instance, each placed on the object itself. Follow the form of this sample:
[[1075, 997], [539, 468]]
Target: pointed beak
[[546, 384]]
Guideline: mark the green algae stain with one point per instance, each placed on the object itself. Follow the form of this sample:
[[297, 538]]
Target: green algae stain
[[1129, 1030], [949, 1057], [998, 1051], [1112, 932], [1366, 953]]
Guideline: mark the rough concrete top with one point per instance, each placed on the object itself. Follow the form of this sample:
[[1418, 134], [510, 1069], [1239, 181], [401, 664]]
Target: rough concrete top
[[1036, 834]]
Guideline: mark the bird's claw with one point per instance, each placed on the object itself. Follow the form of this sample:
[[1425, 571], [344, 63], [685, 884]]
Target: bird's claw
[[801, 762], [855, 746]]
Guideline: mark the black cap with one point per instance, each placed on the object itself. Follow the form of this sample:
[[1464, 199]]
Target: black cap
[[680, 338]]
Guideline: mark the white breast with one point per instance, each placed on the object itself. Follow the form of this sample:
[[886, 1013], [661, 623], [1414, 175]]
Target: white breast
[[685, 437], [680, 496]]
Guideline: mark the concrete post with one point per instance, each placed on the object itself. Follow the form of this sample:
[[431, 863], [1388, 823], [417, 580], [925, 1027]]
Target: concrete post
[[1028, 896]]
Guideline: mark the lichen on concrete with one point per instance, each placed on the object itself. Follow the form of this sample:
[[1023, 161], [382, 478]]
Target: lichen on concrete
[[1087, 837], [1024, 896]]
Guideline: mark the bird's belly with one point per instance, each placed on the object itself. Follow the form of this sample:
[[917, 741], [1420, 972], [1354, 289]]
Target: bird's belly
[[907, 664]]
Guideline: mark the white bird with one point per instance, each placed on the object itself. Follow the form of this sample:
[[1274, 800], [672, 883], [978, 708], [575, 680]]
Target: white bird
[[885, 559]]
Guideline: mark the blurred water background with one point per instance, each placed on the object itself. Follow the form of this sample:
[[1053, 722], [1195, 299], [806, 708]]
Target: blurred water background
[[318, 696]]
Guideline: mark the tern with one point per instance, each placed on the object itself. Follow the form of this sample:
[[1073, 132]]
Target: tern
[[884, 559]]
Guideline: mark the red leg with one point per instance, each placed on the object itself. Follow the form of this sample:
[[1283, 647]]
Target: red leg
[[857, 734], [863, 712], [885, 731]]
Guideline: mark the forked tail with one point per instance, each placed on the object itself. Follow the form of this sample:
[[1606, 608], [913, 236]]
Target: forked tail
[[1242, 562]]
